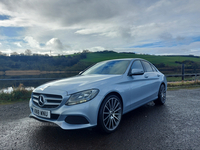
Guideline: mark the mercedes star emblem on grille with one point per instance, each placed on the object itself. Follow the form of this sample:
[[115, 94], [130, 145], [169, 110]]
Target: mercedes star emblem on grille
[[41, 101]]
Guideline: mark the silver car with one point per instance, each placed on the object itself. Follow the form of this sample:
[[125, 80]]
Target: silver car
[[100, 95]]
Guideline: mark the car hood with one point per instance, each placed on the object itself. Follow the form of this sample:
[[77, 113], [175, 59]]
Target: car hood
[[78, 83]]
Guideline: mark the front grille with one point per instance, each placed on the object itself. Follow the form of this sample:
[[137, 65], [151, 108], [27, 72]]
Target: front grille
[[50, 100]]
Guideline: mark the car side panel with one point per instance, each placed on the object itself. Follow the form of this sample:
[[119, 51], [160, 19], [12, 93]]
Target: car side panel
[[140, 90]]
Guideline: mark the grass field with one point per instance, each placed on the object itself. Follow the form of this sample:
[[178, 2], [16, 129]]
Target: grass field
[[167, 60], [183, 85]]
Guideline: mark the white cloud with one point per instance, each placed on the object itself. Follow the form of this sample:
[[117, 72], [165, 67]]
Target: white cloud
[[103, 24], [18, 44], [7, 51], [54, 43], [97, 48], [32, 42]]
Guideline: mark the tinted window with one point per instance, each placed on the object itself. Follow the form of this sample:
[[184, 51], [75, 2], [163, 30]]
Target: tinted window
[[147, 66], [108, 67], [154, 69], [137, 65]]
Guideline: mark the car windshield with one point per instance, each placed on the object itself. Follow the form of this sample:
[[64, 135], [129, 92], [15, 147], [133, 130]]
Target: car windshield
[[108, 67]]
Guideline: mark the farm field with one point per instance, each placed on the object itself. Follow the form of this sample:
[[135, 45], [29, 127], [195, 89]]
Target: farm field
[[167, 60]]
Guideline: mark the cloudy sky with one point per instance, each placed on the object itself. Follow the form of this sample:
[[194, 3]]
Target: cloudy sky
[[66, 26]]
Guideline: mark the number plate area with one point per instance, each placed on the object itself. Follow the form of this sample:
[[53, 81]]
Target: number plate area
[[42, 113]]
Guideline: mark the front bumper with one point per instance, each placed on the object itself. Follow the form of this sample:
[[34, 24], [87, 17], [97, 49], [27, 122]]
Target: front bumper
[[72, 117]]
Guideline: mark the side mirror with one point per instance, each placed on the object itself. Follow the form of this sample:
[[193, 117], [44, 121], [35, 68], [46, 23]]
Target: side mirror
[[136, 72]]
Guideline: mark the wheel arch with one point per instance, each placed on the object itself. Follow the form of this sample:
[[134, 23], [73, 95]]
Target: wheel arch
[[114, 93], [165, 84], [162, 83], [99, 123], [159, 100], [111, 93]]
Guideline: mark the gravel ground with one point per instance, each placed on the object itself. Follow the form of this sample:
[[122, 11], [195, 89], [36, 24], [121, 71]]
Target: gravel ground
[[14, 111], [176, 125]]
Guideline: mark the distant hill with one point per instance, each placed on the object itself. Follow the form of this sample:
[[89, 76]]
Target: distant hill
[[80, 61], [167, 64], [167, 60]]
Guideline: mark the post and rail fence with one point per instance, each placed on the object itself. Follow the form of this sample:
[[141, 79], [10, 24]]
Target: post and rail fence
[[183, 75]]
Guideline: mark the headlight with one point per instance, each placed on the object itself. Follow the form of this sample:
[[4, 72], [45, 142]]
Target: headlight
[[81, 97]]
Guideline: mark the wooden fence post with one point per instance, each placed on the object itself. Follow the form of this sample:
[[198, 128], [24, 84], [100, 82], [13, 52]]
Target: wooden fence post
[[195, 78], [183, 72]]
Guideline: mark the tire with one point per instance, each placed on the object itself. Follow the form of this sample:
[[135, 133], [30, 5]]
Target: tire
[[161, 96], [110, 114]]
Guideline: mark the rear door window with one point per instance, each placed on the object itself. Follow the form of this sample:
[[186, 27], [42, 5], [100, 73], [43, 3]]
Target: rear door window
[[154, 69], [147, 66]]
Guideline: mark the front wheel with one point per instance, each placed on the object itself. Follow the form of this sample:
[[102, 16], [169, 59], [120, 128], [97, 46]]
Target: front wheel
[[110, 114], [161, 96]]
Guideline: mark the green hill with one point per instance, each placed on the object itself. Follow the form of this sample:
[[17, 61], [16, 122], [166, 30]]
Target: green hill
[[167, 60], [80, 61], [166, 64]]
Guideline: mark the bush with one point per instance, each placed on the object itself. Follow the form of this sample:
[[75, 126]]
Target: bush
[[18, 94]]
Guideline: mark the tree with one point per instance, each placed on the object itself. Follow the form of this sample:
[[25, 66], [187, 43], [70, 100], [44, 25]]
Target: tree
[[28, 52], [14, 53], [2, 54], [86, 51]]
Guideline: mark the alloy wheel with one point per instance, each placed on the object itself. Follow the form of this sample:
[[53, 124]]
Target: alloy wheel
[[112, 113]]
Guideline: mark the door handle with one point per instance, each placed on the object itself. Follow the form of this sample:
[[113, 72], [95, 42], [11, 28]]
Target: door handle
[[146, 76], [158, 75]]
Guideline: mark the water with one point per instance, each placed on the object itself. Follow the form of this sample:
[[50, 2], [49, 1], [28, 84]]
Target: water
[[10, 89], [7, 83]]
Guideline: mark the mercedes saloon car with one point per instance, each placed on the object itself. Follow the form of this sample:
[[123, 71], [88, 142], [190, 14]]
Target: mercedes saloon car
[[100, 95]]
